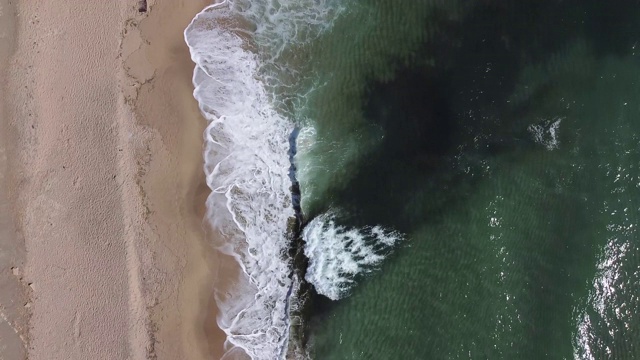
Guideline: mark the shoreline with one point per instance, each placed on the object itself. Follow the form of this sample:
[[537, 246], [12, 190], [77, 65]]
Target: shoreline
[[108, 190]]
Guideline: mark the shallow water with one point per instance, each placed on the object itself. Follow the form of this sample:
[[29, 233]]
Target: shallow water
[[468, 174]]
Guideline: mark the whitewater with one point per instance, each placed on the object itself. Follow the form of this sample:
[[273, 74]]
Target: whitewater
[[241, 51]]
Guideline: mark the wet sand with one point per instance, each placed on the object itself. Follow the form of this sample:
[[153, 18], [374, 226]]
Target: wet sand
[[103, 254], [14, 291]]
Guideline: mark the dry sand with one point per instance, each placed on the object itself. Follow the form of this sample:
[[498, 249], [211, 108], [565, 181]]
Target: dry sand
[[102, 248]]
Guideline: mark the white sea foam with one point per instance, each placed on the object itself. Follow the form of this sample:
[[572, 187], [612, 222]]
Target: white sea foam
[[246, 157], [546, 133], [338, 254], [246, 165]]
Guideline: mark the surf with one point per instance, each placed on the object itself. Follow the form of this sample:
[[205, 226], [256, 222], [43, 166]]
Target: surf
[[246, 166], [238, 47]]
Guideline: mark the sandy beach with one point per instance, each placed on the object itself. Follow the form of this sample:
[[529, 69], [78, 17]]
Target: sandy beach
[[103, 252]]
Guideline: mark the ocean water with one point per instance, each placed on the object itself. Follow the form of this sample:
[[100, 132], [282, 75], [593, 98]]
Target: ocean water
[[458, 179]]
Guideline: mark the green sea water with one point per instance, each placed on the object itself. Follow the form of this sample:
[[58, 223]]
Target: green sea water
[[503, 139]]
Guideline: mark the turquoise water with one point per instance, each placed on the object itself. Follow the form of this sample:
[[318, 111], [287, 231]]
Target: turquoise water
[[502, 139]]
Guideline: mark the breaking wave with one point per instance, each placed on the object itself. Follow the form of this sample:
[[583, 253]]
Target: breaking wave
[[338, 254]]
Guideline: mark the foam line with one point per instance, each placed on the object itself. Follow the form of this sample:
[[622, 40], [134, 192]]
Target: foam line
[[238, 46], [246, 166]]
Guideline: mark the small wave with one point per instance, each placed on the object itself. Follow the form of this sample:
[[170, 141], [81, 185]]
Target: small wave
[[338, 254], [546, 133]]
